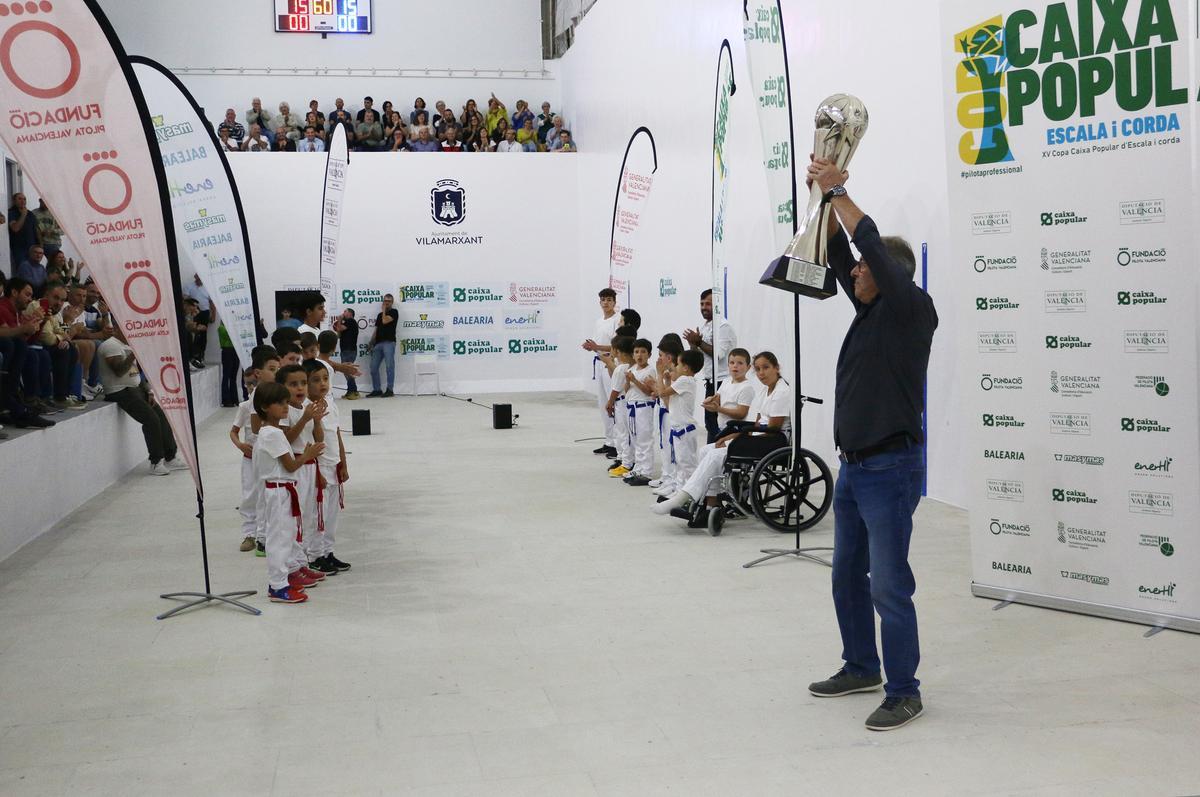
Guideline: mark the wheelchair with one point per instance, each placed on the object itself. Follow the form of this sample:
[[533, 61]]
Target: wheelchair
[[762, 479]]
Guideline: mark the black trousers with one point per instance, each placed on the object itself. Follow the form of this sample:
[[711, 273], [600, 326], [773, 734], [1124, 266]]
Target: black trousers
[[200, 339], [62, 362], [230, 365], [13, 352], [710, 418], [135, 401]]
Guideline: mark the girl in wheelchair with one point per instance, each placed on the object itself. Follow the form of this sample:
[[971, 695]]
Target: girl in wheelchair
[[768, 421]]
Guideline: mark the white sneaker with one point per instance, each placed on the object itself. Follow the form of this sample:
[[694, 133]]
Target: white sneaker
[[677, 501], [666, 488], [90, 393], [655, 483], [175, 463], [159, 469]]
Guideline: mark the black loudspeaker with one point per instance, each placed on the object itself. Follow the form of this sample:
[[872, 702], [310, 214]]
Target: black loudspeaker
[[502, 416], [360, 422]]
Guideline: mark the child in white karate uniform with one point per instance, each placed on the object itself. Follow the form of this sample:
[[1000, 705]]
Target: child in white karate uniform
[[622, 348], [669, 349], [246, 421], [331, 466], [679, 387], [302, 426], [598, 345], [275, 465], [640, 403]]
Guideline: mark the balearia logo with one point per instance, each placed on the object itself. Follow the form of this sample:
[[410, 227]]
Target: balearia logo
[[530, 346], [1056, 218], [996, 303], [433, 293], [1160, 468], [1135, 298], [1012, 567], [1071, 423], [992, 420], [666, 287], [1158, 592], [1079, 459], [1004, 453], [1001, 263], [423, 321], [1145, 502], [998, 527], [474, 320], [1063, 342], [1158, 542], [998, 222], [1066, 59], [1081, 538], [1073, 301], [998, 382], [1143, 211], [1064, 496], [474, 348], [1143, 425], [1127, 256], [1070, 575], [1065, 261], [1146, 341], [1005, 490], [477, 295], [998, 342], [1074, 385], [1150, 382]]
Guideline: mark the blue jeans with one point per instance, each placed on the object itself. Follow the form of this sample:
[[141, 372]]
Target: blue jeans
[[873, 504], [350, 356], [383, 352]]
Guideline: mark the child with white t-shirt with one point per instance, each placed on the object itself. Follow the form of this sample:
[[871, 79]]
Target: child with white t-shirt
[[679, 388], [319, 533], [639, 398], [276, 465], [622, 349], [669, 349], [301, 427], [733, 398], [262, 369]]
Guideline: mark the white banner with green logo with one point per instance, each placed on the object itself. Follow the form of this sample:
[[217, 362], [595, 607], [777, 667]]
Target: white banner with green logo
[[1068, 128], [720, 179]]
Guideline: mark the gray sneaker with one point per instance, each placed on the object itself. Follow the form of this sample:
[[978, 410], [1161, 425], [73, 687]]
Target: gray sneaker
[[843, 683], [893, 713]]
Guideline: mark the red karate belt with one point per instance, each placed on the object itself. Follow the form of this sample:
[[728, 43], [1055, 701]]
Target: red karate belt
[[295, 496], [320, 497], [342, 477]]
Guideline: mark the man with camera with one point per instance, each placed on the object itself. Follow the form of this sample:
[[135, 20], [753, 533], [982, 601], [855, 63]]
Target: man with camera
[[877, 427]]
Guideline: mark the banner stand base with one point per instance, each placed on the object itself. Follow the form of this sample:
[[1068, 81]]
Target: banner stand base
[[799, 553], [207, 599], [1158, 621]]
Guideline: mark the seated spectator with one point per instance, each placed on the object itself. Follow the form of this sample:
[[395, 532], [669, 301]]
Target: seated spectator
[[385, 111], [340, 116], [553, 141], [282, 142], [452, 144], [61, 268], [565, 142], [256, 141], [17, 325], [316, 122], [33, 270], [443, 120], [467, 131], [399, 141], [393, 121], [232, 126], [287, 322], [314, 107], [418, 107], [500, 132], [22, 229], [369, 132], [310, 142], [228, 142], [471, 109], [510, 143], [424, 143], [479, 141], [288, 121], [49, 232], [521, 115], [545, 121], [123, 386], [527, 136], [422, 121], [85, 340], [258, 116], [368, 105], [55, 339], [496, 113]]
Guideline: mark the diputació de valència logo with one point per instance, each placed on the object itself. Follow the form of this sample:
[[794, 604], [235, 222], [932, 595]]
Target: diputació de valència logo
[[1065, 57]]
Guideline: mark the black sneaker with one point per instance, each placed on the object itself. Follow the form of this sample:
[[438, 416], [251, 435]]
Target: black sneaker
[[31, 421], [323, 565], [700, 519], [375, 394], [893, 713], [843, 683], [338, 563], [637, 481], [600, 450], [388, 394], [683, 513]]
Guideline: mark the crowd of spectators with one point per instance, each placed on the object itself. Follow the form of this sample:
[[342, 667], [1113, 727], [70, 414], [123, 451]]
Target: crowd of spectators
[[387, 129]]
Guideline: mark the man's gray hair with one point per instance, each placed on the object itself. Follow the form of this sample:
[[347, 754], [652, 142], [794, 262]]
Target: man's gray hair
[[901, 252]]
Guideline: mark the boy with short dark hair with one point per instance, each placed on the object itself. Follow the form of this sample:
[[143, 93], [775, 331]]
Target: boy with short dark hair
[[622, 350], [679, 386], [598, 345], [302, 426], [308, 346], [639, 399], [331, 465], [289, 354], [262, 370], [669, 348]]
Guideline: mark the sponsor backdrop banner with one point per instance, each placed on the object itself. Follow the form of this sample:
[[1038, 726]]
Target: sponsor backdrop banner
[[720, 180], [336, 164], [1067, 127], [209, 232], [633, 193], [84, 140]]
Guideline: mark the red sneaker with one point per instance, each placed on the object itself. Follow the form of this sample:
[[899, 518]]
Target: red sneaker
[[315, 575], [298, 579], [288, 594]]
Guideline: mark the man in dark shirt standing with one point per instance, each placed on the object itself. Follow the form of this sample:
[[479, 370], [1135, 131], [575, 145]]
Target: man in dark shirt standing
[[347, 329], [383, 348], [877, 428]]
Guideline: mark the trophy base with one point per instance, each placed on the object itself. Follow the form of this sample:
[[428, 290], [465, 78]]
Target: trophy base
[[799, 276]]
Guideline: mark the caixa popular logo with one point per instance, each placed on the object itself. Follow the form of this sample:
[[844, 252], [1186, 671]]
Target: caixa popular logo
[[531, 346], [448, 203]]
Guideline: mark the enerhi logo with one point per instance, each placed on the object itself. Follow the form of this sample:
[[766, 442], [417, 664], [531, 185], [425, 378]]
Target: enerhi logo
[[1067, 60]]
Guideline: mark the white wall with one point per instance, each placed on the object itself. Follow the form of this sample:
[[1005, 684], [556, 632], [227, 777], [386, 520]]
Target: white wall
[[654, 64]]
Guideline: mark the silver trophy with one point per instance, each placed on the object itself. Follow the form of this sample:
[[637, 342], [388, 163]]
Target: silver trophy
[[804, 268]]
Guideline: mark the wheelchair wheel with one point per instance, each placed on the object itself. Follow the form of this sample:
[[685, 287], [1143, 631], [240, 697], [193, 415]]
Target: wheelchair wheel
[[716, 521], [787, 497]]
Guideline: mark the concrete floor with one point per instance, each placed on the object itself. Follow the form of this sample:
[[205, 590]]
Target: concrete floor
[[518, 624]]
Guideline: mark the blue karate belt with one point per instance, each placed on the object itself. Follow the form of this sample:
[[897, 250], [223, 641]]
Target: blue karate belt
[[595, 359], [679, 433], [633, 408], [662, 416]]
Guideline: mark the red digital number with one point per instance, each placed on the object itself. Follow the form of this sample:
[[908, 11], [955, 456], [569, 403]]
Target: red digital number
[[299, 6], [297, 22]]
